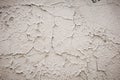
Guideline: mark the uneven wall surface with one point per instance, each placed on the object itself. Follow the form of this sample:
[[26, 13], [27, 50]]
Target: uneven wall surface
[[59, 40]]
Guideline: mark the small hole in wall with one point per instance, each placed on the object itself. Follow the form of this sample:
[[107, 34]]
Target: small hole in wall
[[105, 41], [0, 12], [95, 1], [11, 18]]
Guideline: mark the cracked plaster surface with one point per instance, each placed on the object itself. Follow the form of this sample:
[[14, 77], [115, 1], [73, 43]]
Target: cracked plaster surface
[[59, 40]]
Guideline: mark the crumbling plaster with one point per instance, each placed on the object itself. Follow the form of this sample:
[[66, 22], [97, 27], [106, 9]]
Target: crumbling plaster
[[59, 40]]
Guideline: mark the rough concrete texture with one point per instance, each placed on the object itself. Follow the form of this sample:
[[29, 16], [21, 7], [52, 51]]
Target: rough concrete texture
[[59, 40]]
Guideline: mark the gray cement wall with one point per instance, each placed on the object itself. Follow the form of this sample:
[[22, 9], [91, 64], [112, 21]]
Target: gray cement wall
[[59, 40]]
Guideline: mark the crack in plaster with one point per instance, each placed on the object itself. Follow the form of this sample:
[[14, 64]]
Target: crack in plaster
[[59, 40]]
